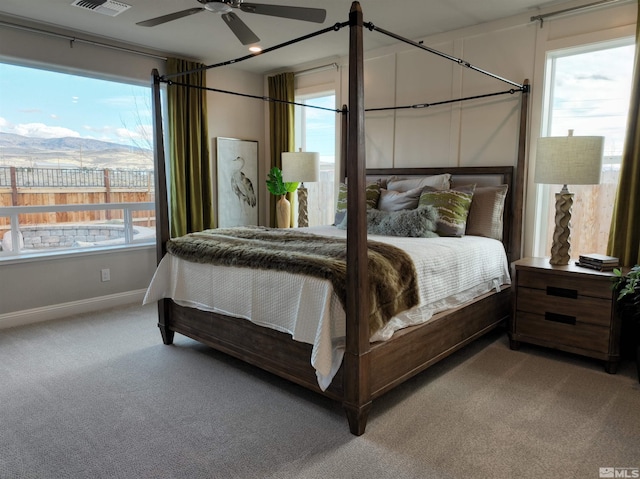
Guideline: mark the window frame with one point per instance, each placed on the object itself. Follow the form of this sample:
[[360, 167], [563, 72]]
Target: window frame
[[306, 93], [30, 255], [536, 204]]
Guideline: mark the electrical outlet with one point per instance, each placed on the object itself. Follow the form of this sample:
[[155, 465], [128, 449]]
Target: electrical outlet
[[105, 274]]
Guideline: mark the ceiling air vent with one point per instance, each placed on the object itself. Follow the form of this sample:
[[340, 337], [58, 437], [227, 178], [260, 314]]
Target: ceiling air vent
[[106, 7]]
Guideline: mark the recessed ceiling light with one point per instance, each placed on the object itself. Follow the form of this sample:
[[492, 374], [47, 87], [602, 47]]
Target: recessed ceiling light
[[255, 49]]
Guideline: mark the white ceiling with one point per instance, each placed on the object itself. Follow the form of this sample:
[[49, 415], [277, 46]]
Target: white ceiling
[[206, 38]]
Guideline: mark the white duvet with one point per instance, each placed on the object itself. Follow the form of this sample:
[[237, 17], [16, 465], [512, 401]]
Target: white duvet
[[451, 271]]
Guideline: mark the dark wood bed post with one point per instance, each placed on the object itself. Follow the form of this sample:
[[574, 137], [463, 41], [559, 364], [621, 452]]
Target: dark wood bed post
[[356, 380], [521, 178], [344, 143], [162, 205]]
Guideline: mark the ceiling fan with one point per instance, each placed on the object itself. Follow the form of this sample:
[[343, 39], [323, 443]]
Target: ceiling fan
[[237, 26]]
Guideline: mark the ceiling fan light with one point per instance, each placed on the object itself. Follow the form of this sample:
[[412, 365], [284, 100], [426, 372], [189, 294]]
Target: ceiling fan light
[[255, 48], [218, 7]]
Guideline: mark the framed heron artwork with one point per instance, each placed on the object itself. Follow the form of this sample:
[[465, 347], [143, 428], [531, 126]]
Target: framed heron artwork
[[237, 182]]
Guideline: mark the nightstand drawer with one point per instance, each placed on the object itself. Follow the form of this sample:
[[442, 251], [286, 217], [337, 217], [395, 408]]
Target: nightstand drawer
[[581, 309], [578, 285], [578, 335]]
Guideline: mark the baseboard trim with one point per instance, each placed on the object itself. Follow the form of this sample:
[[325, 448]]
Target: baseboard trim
[[62, 310]]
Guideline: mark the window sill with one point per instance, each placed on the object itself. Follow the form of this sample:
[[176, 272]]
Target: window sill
[[28, 257]]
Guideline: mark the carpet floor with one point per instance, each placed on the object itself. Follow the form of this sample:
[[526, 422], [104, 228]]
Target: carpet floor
[[99, 396]]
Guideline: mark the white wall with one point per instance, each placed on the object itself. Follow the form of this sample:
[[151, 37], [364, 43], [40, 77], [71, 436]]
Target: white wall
[[478, 132], [46, 50], [232, 116]]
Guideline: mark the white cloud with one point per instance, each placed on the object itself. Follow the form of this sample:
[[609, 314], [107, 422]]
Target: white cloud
[[36, 130], [141, 132]]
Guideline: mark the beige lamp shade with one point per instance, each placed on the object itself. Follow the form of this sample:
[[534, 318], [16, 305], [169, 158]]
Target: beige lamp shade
[[300, 166], [569, 160]]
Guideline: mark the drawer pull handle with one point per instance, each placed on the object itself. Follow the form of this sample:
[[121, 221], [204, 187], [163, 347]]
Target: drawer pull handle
[[562, 292], [560, 318]]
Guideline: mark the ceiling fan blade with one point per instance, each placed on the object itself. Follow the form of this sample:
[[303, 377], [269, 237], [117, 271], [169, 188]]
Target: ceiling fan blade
[[316, 15], [240, 29], [167, 18]]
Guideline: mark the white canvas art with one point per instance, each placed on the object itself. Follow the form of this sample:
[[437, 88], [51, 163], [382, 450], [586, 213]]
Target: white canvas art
[[236, 182]]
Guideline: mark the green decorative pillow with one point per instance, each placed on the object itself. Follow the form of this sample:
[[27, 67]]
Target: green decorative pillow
[[453, 208], [373, 194]]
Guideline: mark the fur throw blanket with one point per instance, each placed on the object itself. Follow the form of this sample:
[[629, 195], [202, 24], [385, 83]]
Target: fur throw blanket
[[393, 283], [420, 222]]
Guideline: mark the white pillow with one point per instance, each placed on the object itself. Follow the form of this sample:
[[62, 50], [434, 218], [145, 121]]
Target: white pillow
[[399, 200], [439, 182]]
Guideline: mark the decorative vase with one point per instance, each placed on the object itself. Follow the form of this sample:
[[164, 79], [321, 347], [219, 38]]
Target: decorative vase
[[283, 212]]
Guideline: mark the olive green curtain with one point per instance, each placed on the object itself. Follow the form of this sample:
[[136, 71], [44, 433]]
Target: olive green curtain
[[624, 236], [281, 127], [190, 170]]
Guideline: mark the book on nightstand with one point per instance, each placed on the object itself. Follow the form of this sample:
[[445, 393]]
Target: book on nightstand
[[600, 262]]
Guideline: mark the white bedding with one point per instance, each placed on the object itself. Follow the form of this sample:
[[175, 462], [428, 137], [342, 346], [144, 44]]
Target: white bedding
[[451, 271]]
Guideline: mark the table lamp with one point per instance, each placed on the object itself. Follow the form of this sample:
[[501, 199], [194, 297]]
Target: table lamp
[[563, 160], [299, 167]]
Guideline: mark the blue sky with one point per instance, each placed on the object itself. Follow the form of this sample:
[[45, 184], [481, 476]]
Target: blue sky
[[44, 104], [321, 126]]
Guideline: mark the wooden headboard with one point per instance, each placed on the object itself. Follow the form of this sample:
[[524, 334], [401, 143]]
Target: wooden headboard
[[480, 176]]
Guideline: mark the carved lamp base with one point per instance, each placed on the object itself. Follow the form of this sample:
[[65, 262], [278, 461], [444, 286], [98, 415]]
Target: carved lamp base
[[303, 217], [561, 245]]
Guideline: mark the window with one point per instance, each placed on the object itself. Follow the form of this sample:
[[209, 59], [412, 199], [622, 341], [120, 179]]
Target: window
[[587, 90], [76, 163], [315, 130]]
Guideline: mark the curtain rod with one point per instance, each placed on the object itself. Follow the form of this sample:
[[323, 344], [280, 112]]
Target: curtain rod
[[317, 69], [542, 17], [79, 40]]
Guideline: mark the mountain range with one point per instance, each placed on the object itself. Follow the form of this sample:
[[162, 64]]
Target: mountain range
[[71, 152]]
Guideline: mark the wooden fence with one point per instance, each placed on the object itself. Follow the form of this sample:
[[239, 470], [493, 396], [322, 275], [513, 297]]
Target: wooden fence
[[58, 186]]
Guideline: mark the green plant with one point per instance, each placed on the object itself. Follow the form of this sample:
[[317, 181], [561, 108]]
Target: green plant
[[627, 288], [277, 186], [627, 285]]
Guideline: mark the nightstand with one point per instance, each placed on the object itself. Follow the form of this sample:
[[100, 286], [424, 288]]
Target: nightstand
[[565, 307]]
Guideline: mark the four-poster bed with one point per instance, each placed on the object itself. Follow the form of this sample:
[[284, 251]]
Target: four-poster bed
[[368, 369]]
